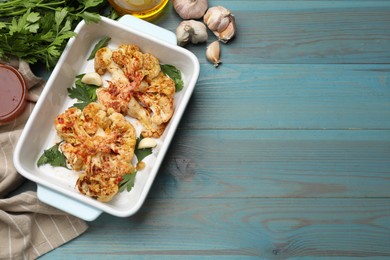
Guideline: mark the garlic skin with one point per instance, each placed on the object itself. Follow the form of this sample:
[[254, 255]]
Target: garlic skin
[[213, 53], [190, 9], [191, 31], [221, 22], [92, 78], [183, 34]]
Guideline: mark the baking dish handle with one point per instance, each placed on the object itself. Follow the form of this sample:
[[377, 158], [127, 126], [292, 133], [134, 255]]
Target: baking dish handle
[[67, 204], [148, 28]]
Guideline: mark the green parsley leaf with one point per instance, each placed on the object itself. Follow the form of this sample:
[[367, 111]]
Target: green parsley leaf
[[33, 17], [141, 153], [175, 74], [127, 182], [59, 17], [90, 17], [19, 25], [52, 156], [102, 43], [91, 3], [113, 14], [13, 27], [66, 29], [80, 105], [84, 93], [33, 28]]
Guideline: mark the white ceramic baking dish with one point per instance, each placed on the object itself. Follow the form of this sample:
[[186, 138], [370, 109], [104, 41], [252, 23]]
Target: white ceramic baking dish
[[56, 185]]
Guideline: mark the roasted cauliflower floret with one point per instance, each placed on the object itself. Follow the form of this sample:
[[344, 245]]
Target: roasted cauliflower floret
[[151, 67], [135, 64], [98, 181], [138, 87], [103, 59], [68, 125], [156, 111], [153, 105], [124, 53], [115, 96], [160, 84], [103, 150], [120, 89]]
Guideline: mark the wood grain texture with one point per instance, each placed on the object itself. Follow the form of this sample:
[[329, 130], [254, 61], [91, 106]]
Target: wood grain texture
[[291, 97], [247, 164], [267, 228]]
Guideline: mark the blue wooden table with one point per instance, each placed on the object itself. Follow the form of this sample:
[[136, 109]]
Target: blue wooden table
[[283, 151]]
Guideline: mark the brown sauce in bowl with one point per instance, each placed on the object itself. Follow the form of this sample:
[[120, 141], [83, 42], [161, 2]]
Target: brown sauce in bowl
[[13, 92]]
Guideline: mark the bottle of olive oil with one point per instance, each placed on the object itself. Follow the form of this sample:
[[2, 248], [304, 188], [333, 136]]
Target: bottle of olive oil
[[144, 9]]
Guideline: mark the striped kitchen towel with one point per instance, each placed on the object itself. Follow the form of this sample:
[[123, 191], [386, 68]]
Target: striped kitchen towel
[[28, 227]]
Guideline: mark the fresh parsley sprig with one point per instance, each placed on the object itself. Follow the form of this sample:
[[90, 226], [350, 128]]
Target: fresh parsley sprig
[[175, 74], [127, 182], [53, 156], [84, 93]]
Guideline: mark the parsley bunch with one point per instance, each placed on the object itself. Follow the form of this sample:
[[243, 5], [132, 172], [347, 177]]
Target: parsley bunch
[[38, 30]]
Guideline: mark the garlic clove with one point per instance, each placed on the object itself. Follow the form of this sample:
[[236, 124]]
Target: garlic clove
[[92, 78], [217, 18], [211, 19], [230, 31], [191, 31], [213, 52], [190, 9], [147, 143]]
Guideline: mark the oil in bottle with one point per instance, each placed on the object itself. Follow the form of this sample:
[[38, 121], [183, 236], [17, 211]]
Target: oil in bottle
[[144, 9]]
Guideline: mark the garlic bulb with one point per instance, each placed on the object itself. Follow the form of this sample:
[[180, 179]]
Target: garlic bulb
[[191, 31], [221, 21], [190, 9], [213, 52]]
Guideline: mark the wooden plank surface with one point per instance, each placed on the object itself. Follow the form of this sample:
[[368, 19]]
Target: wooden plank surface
[[237, 228], [298, 96], [252, 164], [283, 151]]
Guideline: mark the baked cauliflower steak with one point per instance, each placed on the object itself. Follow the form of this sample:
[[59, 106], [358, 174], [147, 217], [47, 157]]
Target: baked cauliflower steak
[[99, 142], [137, 87]]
